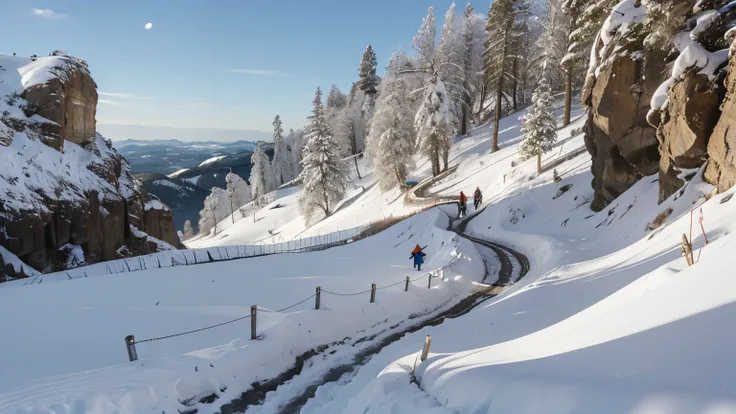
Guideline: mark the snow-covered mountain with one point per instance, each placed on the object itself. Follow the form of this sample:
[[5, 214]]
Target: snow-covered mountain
[[67, 196]]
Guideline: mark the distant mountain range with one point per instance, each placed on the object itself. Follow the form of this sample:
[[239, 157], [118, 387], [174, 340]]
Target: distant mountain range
[[182, 173]]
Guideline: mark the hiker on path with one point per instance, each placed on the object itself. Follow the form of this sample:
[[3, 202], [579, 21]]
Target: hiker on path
[[418, 256], [477, 198], [463, 203]]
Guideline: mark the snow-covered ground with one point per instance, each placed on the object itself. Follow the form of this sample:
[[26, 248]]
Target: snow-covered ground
[[609, 319]]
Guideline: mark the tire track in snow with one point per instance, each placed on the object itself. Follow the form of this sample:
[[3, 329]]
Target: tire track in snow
[[344, 372]]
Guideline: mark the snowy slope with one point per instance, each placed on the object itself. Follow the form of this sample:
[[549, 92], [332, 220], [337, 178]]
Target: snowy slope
[[609, 319], [86, 320]]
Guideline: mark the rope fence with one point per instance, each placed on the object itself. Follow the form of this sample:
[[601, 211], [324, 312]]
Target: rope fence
[[131, 342]]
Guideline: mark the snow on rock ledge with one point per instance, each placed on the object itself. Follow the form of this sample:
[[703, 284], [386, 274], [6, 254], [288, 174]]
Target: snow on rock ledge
[[61, 183]]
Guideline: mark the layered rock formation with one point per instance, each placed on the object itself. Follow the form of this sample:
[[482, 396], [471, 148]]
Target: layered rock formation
[[658, 110], [66, 196]]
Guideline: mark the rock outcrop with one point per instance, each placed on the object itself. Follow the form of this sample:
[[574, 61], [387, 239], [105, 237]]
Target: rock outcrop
[[684, 129], [659, 111], [68, 99], [721, 169], [623, 145], [67, 197]]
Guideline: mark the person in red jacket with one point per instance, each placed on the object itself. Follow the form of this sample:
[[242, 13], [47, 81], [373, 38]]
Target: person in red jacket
[[463, 202]]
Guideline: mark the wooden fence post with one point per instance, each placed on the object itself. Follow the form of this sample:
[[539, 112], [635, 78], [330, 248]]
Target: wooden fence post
[[130, 346], [373, 292], [253, 314], [317, 297], [406, 285], [425, 350], [687, 250], [429, 281]]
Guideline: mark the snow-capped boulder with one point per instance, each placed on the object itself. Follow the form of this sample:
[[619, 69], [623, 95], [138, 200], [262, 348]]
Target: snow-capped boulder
[[61, 90], [64, 190]]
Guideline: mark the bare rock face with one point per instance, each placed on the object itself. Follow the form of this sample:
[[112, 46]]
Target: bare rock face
[[684, 128], [67, 197], [623, 145], [721, 169], [69, 100]]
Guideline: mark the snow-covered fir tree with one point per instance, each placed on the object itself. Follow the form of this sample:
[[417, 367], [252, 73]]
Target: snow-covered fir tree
[[505, 27], [539, 125], [323, 177], [424, 43], [297, 142], [261, 173], [368, 80], [433, 123], [587, 16], [336, 99], [450, 58], [282, 166], [368, 83], [188, 231], [238, 191], [475, 90], [216, 208], [391, 140]]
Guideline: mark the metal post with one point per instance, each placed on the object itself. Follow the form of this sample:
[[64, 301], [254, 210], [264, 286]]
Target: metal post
[[253, 313], [442, 274], [130, 346], [317, 297], [429, 281], [406, 285], [373, 292], [425, 350]]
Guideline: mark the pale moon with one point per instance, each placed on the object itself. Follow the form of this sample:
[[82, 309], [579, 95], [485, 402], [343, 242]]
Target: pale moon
[[148, 26]]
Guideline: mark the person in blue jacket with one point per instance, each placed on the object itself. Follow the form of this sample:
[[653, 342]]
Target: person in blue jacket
[[418, 256]]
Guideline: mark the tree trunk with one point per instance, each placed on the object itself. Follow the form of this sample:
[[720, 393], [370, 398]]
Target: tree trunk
[[499, 97], [464, 120], [514, 82], [445, 158], [568, 95], [357, 171], [539, 163], [481, 103], [435, 158]]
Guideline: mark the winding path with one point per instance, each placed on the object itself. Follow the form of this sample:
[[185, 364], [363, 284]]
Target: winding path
[[506, 256]]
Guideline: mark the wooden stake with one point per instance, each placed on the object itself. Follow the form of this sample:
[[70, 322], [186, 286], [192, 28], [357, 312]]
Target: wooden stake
[[406, 285], [253, 313], [373, 292], [317, 297], [687, 250], [425, 350]]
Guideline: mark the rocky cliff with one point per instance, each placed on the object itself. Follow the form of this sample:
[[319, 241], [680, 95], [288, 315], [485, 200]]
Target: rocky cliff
[[655, 106], [67, 198]]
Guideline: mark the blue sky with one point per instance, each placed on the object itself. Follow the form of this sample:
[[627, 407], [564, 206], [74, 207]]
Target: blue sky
[[215, 64]]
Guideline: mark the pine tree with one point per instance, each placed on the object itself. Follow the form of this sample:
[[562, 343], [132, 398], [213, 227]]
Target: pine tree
[[238, 192], [505, 27], [423, 43], [261, 173], [216, 208], [188, 232], [539, 125], [323, 176], [433, 123], [368, 80], [586, 19], [450, 59], [282, 167], [473, 38], [336, 99], [391, 140], [551, 47]]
